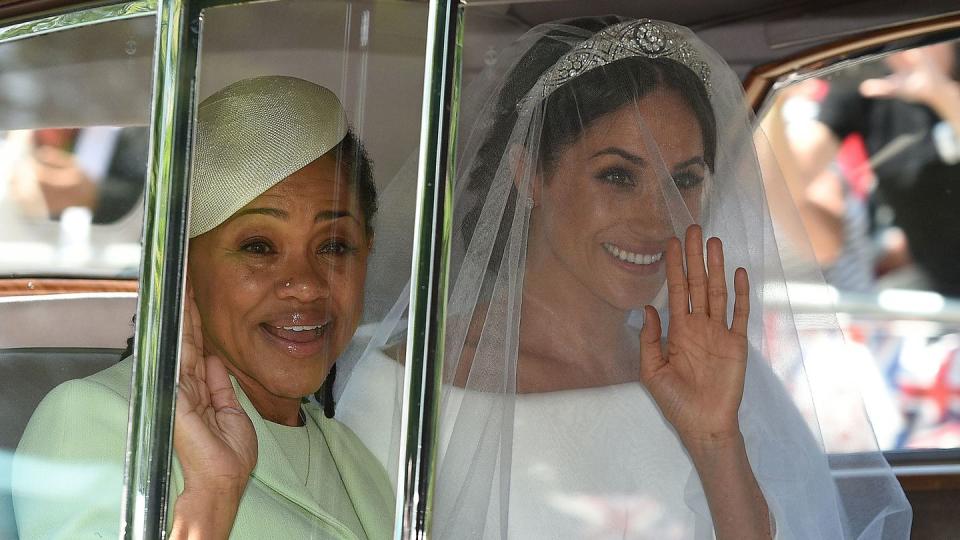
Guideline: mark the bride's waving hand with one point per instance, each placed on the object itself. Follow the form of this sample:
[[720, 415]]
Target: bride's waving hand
[[697, 380], [697, 377]]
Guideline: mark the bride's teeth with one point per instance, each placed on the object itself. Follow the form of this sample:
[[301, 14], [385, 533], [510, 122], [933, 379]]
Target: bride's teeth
[[630, 257]]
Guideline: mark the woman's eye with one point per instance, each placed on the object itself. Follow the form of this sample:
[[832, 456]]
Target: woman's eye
[[257, 247], [336, 247], [687, 180], [617, 176]]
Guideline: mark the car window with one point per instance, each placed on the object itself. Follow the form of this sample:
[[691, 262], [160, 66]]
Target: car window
[[870, 154], [73, 147], [74, 105], [371, 56]]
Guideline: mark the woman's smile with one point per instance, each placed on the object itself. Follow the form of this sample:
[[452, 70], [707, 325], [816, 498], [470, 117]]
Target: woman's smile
[[642, 260], [299, 341]]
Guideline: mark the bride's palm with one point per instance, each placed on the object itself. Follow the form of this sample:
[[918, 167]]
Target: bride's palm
[[214, 439], [697, 377]]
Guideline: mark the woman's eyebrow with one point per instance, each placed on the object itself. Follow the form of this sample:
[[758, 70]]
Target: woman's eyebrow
[[330, 215], [692, 161], [613, 150], [272, 212], [323, 215]]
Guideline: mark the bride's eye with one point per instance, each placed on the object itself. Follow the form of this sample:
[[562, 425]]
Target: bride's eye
[[617, 176], [687, 180]]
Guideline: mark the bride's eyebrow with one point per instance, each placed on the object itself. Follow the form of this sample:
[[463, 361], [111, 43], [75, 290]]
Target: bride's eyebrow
[[692, 161], [613, 150]]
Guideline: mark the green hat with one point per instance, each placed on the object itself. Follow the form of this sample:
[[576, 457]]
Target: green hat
[[253, 134]]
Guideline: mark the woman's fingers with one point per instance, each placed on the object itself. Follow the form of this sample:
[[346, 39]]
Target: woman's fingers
[[741, 302], [188, 361], [676, 279], [699, 288], [696, 273], [716, 281], [222, 395], [651, 354]]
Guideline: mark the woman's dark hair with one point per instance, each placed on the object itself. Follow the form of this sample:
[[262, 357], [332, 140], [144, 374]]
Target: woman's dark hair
[[608, 88], [351, 151], [955, 74]]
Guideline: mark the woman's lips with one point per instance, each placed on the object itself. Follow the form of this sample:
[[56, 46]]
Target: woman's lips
[[298, 340], [646, 261]]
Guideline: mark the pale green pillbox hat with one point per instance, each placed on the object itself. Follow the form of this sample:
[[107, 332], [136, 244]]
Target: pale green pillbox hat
[[251, 135]]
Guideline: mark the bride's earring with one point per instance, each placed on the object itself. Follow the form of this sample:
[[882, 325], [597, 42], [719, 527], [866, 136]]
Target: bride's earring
[[530, 203]]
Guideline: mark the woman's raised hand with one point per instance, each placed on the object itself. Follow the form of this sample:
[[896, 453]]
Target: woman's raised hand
[[697, 377], [213, 437]]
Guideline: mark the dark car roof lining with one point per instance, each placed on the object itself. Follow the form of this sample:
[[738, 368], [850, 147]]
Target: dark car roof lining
[[747, 33]]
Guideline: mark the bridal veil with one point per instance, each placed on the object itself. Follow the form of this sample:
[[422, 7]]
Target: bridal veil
[[587, 460]]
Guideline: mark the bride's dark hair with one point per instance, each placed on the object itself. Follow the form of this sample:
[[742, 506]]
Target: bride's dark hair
[[608, 88]]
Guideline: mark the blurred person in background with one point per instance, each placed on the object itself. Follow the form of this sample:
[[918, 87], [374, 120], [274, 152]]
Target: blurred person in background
[[910, 124], [101, 168]]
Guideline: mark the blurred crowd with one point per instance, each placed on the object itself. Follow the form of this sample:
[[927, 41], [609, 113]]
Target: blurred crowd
[[871, 156]]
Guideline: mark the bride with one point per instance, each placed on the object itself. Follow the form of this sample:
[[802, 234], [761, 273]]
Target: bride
[[593, 146]]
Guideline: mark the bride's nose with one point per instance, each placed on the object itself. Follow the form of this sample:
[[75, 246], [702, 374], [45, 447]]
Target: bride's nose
[[652, 209]]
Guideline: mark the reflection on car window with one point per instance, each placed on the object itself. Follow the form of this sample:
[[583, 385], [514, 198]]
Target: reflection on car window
[[72, 161], [66, 194], [871, 154]]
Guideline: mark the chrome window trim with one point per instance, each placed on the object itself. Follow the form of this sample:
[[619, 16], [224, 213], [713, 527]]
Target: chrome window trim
[[77, 19], [815, 61], [162, 273], [433, 227]]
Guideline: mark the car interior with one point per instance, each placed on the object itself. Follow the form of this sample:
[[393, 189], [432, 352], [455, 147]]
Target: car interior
[[68, 283]]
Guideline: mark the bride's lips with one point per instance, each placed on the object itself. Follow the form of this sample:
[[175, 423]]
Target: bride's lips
[[643, 259], [297, 334]]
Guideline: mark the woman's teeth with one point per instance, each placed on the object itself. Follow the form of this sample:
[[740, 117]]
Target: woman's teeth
[[301, 331], [630, 257], [300, 328]]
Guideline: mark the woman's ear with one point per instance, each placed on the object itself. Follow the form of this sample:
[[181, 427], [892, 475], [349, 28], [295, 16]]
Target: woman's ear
[[522, 171]]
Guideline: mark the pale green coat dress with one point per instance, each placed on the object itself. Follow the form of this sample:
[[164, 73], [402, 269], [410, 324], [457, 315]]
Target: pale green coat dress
[[68, 470]]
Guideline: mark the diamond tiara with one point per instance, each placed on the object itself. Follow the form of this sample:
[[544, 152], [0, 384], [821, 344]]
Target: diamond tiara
[[644, 38]]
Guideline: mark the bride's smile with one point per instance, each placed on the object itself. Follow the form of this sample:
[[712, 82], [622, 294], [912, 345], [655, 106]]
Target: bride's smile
[[608, 199], [640, 261]]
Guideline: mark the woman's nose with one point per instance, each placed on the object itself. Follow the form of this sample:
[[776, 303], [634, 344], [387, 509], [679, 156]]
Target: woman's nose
[[304, 282], [651, 208]]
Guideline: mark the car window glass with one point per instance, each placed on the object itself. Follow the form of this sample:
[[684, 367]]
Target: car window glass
[[74, 105], [871, 153], [370, 55], [73, 146]]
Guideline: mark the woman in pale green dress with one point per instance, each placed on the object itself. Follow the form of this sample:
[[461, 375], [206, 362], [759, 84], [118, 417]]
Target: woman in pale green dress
[[281, 226]]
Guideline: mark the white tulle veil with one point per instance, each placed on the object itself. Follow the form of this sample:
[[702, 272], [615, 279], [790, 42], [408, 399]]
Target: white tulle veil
[[516, 463]]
